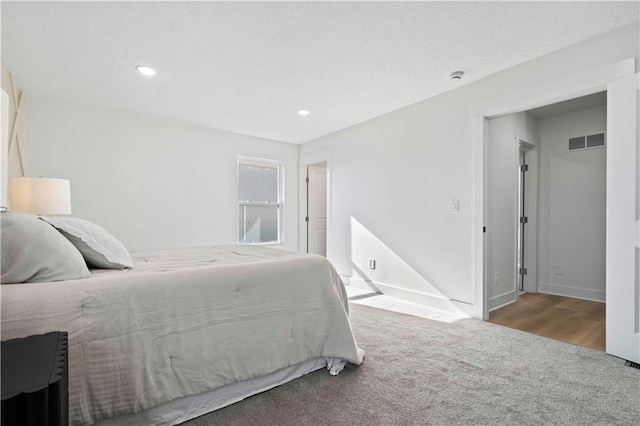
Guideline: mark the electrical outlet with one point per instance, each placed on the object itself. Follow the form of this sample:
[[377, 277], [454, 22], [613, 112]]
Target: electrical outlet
[[455, 206], [372, 264], [497, 279], [559, 269]]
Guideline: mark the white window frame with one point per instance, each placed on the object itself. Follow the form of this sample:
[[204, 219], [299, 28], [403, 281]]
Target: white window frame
[[280, 190]]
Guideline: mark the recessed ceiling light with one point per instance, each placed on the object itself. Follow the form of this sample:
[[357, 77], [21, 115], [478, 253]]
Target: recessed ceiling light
[[303, 112], [146, 70]]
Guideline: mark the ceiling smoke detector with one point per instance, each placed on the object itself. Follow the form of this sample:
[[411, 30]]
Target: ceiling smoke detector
[[456, 76]]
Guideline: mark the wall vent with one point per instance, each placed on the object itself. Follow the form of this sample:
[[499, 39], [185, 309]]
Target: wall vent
[[597, 140], [577, 143]]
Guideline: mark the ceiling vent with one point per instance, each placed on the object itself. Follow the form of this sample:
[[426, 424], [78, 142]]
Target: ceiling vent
[[597, 140]]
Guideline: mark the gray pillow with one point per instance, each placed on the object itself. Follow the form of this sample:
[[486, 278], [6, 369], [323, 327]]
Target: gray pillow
[[99, 248], [33, 251]]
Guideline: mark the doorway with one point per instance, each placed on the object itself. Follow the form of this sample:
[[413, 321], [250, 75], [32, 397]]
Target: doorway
[[622, 84], [511, 252], [557, 163], [316, 217]]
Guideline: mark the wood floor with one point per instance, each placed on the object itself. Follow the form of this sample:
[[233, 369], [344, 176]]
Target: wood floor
[[561, 318]]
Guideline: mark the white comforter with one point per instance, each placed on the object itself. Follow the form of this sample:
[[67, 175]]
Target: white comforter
[[183, 322]]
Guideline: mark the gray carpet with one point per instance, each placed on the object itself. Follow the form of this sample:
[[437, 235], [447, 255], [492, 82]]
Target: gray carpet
[[422, 372]]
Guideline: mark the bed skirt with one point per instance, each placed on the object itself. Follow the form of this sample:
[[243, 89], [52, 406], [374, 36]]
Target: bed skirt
[[189, 407]]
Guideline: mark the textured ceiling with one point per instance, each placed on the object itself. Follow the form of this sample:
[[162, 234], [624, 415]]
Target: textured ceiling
[[248, 67]]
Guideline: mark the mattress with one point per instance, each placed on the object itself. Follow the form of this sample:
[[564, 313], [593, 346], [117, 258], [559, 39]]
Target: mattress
[[185, 322]]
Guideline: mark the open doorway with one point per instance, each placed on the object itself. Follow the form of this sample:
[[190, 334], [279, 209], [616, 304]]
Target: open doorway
[[547, 219], [622, 85], [316, 217]]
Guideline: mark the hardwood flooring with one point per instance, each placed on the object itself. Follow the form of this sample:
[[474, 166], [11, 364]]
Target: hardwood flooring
[[575, 321]]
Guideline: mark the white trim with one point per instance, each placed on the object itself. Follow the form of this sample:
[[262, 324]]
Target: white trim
[[554, 91], [502, 300], [315, 157], [255, 161], [303, 162], [575, 292], [531, 231], [433, 301], [623, 263], [480, 261], [562, 89]]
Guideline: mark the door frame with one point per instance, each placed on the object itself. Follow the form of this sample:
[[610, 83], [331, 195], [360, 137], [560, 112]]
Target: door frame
[[623, 224], [561, 89], [531, 210], [317, 175], [303, 162]]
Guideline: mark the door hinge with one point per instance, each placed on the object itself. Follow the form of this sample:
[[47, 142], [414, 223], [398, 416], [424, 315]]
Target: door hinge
[[524, 219], [307, 180], [524, 168], [306, 219], [484, 229], [523, 271]]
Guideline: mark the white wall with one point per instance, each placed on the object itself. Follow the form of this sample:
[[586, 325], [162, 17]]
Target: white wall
[[503, 148], [572, 206], [153, 183], [393, 179], [502, 187]]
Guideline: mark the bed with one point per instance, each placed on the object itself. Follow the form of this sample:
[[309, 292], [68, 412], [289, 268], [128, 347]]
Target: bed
[[188, 331]]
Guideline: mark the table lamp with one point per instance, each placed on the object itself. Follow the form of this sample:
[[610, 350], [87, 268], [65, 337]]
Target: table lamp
[[40, 196]]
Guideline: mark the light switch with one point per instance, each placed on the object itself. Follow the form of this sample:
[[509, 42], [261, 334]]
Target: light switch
[[372, 264]]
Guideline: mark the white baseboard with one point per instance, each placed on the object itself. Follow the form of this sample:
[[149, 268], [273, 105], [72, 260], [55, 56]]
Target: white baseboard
[[437, 302], [575, 292], [502, 300]]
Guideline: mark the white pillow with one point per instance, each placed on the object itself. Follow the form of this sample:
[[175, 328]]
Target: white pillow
[[33, 251], [98, 247]]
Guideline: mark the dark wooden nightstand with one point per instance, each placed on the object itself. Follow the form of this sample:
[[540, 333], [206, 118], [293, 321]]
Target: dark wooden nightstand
[[35, 380]]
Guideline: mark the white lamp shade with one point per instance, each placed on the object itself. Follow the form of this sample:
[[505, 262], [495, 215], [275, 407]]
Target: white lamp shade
[[38, 195]]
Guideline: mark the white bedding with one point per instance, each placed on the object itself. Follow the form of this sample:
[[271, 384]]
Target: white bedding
[[184, 322]]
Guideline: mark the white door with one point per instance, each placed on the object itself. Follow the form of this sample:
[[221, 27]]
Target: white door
[[623, 211], [317, 210]]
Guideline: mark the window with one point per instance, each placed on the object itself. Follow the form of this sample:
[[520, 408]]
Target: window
[[259, 200]]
